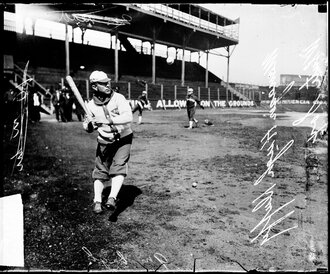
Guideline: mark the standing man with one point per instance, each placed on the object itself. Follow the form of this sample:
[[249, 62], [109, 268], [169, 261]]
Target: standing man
[[142, 102], [68, 103], [36, 103], [58, 103], [111, 117], [192, 101]]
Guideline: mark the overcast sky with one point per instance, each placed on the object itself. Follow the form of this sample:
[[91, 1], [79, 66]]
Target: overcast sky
[[264, 28]]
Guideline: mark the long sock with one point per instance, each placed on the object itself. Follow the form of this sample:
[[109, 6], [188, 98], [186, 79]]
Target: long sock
[[140, 119], [191, 124], [117, 182], [98, 188]]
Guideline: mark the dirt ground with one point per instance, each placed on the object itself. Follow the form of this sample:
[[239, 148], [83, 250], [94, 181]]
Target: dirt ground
[[162, 221]]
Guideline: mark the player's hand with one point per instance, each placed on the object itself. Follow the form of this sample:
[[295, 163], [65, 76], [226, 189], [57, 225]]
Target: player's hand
[[89, 123]]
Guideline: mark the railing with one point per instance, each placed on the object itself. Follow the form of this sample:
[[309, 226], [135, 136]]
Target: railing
[[229, 31], [46, 92], [234, 91], [131, 90], [45, 100]]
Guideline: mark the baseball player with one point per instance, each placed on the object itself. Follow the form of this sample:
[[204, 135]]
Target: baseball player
[[111, 116], [142, 102], [191, 104]]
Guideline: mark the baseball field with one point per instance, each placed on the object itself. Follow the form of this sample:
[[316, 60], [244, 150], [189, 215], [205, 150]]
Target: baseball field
[[221, 197]]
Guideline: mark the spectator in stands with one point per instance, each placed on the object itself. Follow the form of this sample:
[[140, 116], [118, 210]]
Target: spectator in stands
[[142, 102], [58, 103], [192, 101]]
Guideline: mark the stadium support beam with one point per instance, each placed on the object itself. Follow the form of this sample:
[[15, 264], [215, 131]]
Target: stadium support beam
[[228, 57], [183, 61], [207, 69], [116, 56], [33, 26], [153, 56], [67, 53], [110, 41]]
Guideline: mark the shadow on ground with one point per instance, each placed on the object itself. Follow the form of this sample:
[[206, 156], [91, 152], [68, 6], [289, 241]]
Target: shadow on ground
[[126, 197]]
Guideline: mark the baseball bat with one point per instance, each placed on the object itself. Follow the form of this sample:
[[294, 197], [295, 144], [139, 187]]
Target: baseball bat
[[77, 94]]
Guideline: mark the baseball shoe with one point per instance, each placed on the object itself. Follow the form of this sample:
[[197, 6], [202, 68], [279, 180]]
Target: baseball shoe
[[97, 208], [111, 203]]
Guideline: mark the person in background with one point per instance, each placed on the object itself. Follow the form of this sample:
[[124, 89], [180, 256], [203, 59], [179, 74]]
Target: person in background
[[142, 102], [58, 103], [35, 107], [192, 101], [68, 103]]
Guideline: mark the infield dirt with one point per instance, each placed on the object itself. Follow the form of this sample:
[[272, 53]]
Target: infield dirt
[[161, 216]]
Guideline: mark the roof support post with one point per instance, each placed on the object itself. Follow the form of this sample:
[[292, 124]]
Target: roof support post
[[207, 69], [67, 53], [116, 57], [216, 24], [182, 62], [33, 26], [227, 71], [154, 56], [110, 40]]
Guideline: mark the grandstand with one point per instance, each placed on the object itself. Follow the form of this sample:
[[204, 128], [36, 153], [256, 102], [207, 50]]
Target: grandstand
[[184, 28], [132, 37]]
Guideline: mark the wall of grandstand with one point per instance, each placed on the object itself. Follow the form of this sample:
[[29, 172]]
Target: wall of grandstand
[[178, 104]]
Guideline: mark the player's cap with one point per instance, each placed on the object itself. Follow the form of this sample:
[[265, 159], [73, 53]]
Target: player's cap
[[98, 76], [144, 92], [190, 91]]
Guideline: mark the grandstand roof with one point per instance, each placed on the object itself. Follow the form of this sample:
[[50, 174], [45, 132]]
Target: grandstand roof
[[173, 25]]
